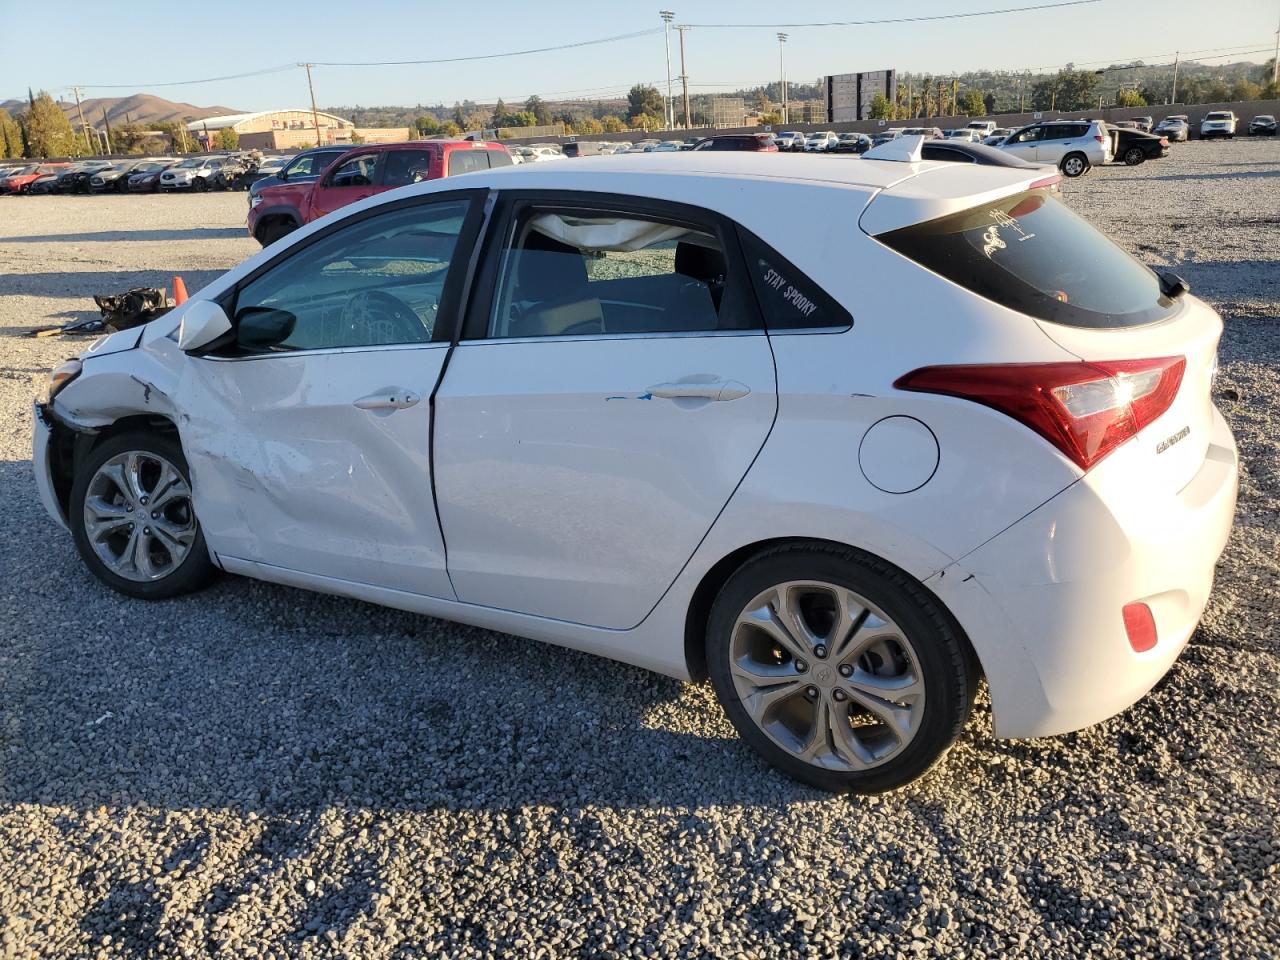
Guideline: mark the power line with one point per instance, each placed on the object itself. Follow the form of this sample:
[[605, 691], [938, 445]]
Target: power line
[[496, 56], [917, 19], [183, 83]]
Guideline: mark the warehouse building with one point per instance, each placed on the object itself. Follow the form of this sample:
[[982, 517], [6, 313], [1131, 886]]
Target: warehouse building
[[285, 129]]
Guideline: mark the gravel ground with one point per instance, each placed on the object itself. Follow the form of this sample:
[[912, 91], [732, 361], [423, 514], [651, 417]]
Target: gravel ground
[[262, 772]]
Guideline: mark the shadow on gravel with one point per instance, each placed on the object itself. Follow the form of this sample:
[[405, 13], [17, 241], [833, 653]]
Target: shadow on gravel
[[76, 284], [120, 236], [1239, 175]]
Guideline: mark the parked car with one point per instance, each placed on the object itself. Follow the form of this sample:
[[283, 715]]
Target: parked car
[[46, 184], [820, 142], [997, 137], [197, 173], [298, 171], [929, 133], [1263, 125], [362, 172], [582, 148], [643, 146], [23, 178], [146, 179], [884, 136], [1134, 146], [1123, 125], [1175, 128], [1218, 123], [852, 143], [669, 146], [790, 140], [1027, 479], [75, 179], [755, 142], [984, 128], [1144, 123], [966, 151], [1074, 146], [116, 176]]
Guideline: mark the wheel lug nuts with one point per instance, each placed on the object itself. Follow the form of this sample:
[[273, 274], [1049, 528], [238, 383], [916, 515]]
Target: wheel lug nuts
[[811, 692], [846, 670], [820, 651], [839, 696], [155, 514], [801, 666], [129, 508], [147, 531], [144, 501]]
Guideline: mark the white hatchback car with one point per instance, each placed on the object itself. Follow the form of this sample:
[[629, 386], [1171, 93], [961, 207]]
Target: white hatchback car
[[948, 430]]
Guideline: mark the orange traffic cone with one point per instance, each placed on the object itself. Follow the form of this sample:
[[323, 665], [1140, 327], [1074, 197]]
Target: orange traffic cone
[[179, 292]]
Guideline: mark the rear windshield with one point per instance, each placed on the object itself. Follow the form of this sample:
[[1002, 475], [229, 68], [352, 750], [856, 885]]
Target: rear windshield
[[1030, 253], [1218, 116]]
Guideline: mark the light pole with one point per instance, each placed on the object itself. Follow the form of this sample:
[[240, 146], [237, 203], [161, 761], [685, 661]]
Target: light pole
[[667, 16], [782, 63], [684, 75]]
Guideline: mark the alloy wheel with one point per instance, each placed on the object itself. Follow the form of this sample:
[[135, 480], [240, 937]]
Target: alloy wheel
[[138, 517], [1073, 167], [826, 675]]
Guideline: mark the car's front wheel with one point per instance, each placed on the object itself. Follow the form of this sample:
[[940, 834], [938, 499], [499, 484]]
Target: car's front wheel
[[838, 668], [133, 520], [1074, 164], [1134, 156]]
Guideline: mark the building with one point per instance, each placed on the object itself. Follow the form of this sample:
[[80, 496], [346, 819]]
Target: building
[[848, 96], [285, 129], [728, 112], [808, 111]]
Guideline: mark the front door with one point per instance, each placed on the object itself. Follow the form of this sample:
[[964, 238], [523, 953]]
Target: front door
[[309, 437], [1024, 142], [351, 180], [607, 400]]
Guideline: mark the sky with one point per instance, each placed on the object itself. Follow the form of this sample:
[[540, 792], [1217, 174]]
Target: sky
[[144, 45]]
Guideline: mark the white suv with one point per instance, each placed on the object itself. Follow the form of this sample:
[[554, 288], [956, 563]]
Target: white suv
[[1218, 123], [198, 173], [1074, 146], [821, 142], [843, 472]]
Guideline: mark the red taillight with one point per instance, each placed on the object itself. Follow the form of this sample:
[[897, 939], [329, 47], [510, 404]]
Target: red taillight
[[1164, 141], [1085, 410], [1048, 183], [1100, 138], [1140, 626]]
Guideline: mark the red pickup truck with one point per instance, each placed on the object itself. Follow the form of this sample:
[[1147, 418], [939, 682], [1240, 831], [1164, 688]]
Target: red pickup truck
[[361, 172]]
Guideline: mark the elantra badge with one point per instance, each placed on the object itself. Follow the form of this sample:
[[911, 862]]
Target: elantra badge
[[1168, 442]]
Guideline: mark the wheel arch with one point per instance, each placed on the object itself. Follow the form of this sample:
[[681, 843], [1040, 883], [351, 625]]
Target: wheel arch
[[711, 583]]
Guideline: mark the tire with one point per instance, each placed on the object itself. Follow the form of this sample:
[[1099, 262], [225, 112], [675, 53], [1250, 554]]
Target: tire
[[907, 640], [1074, 165], [273, 230], [1134, 156], [163, 571], [199, 185]]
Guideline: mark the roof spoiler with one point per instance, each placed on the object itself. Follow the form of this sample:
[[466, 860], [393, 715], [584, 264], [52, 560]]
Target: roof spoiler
[[904, 149]]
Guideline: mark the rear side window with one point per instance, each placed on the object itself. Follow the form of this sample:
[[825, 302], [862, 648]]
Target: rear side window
[[402, 167], [1030, 253], [790, 300], [467, 161]]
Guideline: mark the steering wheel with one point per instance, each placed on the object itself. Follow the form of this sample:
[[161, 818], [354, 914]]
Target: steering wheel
[[374, 317]]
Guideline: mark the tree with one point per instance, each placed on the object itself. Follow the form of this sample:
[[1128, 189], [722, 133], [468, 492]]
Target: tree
[[450, 129], [881, 108], [226, 139], [646, 102], [48, 131], [612, 124], [1066, 90], [458, 116], [588, 125], [499, 118], [989, 103], [426, 125], [10, 136], [972, 104], [771, 117], [1130, 98], [356, 139], [1245, 90], [536, 106]]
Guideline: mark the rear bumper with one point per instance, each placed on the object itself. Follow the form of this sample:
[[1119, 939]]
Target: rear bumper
[[1042, 602]]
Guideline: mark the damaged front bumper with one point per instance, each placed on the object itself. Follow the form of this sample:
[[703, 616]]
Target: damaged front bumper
[[42, 426]]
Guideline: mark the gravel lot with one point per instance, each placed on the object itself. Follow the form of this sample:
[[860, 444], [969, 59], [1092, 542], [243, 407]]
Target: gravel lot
[[262, 772]]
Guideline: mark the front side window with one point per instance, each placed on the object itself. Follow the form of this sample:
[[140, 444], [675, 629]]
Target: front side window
[[580, 272], [1029, 135], [376, 282], [1030, 253]]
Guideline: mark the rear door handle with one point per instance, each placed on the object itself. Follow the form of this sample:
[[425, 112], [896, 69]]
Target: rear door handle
[[700, 390], [390, 400]]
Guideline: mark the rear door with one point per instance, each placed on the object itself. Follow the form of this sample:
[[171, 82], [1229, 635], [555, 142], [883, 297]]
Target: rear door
[[353, 179], [607, 397]]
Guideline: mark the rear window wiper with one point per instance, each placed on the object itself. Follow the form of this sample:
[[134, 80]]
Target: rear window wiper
[[1172, 285]]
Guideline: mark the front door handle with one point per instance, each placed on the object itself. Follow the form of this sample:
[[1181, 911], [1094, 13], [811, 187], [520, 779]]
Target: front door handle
[[390, 400], [700, 389]]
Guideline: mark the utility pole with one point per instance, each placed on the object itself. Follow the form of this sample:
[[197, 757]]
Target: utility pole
[[315, 117], [684, 76], [667, 16], [106, 124], [782, 63], [1275, 59], [84, 126], [1173, 96]]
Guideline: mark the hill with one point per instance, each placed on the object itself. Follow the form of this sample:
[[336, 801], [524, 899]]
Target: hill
[[140, 108]]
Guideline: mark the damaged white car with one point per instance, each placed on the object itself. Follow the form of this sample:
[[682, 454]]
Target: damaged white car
[[950, 432]]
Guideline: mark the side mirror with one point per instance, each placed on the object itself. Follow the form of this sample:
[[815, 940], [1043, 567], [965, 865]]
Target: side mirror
[[203, 323], [261, 328]]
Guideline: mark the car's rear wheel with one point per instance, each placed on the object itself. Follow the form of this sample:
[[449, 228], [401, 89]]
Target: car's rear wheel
[[1074, 164], [839, 669], [133, 520], [1134, 156], [199, 184]]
